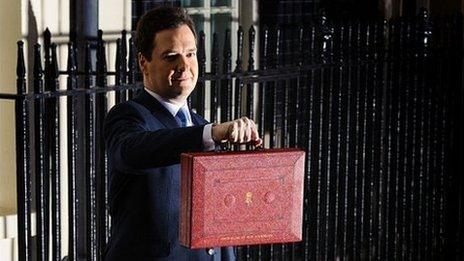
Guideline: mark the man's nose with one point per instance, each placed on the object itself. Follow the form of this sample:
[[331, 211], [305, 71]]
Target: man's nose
[[183, 64]]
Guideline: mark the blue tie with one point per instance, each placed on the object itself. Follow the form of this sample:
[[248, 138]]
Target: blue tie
[[182, 117]]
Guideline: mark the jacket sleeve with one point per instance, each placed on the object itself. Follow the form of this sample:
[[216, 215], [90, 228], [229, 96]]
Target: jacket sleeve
[[131, 144]]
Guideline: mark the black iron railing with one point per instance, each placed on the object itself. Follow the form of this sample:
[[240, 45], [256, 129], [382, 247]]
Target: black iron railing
[[378, 106]]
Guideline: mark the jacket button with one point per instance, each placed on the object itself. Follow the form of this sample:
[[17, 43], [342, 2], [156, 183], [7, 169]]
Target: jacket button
[[211, 251]]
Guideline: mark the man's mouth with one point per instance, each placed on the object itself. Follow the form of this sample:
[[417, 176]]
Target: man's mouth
[[181, 79]]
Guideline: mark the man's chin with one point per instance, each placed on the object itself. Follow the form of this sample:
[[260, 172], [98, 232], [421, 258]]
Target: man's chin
[[183, 87], [181, 93]]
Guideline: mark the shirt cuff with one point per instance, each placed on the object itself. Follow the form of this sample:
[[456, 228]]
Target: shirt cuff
[[208, 142]]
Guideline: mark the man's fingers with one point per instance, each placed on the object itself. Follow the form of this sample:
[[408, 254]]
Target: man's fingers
[[233, 131], [258, 142], [248, 130], [241, 130], [254, 131]]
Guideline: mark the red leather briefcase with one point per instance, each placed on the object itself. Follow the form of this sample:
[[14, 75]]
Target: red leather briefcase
[[241, 197]]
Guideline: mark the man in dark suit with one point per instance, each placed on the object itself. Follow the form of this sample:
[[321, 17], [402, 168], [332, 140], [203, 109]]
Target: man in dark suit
[[145, 137]]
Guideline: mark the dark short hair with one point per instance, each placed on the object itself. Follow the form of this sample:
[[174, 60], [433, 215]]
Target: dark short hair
[[158, 19]]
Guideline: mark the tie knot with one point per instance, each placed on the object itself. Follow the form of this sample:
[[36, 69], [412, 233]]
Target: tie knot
[[182, 117]]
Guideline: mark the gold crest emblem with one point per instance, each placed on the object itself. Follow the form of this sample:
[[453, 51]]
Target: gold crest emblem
[[248, 198]]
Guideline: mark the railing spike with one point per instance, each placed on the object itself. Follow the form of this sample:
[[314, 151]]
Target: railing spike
[[202, 53], [123, 43], [72, 70], [54, 73], [88, 59], [71, 58], [20, 65], [88, 66], [278, 58], [100, 35], [124, 56], [47, 41], [226, 87], [47, 62], [265, 48], [215, 54], [101, 61], [238, 66], [132, 61], [251, 48], [227, 46], [38, 72], [118, 65]]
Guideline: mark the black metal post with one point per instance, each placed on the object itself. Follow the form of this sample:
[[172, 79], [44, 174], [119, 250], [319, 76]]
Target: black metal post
[[120, 69], [133, 66], [23, 175], [214, 83], [55, 157], [226, 84], [103, 225], [90, 152], [41, 160], [83, 28], [74, 206], [238, 70], [200, 88]]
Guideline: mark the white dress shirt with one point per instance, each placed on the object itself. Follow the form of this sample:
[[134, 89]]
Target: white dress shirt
[[208, 142]]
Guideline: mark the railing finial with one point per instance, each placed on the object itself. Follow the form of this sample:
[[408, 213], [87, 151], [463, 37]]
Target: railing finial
[[118, 65], [132, 61], [215, 54], [238, 63], [101, 61], [72, 68], [202, 53], [71, 58], [38, 72], [279, 57], [54, 71], [124, 56], [20, 65], [227, 46], [251, 48], [47, 42], [265, 48]]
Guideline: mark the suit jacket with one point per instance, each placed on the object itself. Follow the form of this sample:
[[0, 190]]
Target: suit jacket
[[144, 143]]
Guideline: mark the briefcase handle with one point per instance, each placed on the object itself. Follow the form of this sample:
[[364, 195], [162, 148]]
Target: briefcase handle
[[225, 147]]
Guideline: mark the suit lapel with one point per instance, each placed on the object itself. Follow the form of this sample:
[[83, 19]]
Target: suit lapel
[[157, 109]]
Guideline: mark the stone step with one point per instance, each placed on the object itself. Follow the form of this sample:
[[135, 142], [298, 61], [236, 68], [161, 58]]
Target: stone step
[[9, 225], [8, 249]]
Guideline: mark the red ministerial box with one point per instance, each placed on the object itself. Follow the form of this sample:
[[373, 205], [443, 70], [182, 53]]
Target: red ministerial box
[[241, 197]]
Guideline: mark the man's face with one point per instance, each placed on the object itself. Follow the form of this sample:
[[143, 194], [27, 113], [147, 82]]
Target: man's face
[[173, 70]]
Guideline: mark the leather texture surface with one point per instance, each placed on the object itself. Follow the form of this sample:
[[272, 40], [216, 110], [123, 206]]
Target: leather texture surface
[[241, 198]]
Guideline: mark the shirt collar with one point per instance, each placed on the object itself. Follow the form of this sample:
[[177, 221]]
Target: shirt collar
[[171, 107]]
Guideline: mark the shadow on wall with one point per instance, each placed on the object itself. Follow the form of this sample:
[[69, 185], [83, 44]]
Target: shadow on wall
[[31, 38]]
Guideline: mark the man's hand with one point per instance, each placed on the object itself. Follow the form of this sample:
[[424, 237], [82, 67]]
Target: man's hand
[[239, 131]]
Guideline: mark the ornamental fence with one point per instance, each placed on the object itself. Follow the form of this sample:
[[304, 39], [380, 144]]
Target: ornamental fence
[[377, 105]]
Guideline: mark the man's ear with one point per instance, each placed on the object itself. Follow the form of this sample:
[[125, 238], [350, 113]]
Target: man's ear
[[142, 63]]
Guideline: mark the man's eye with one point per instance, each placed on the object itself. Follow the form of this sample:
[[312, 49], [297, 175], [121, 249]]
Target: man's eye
[[192, 54], [170, 57]]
